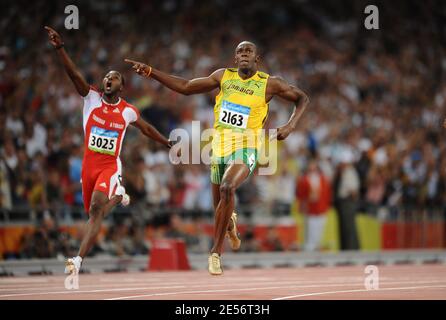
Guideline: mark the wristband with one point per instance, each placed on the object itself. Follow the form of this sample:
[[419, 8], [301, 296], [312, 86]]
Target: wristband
[[59, 46]]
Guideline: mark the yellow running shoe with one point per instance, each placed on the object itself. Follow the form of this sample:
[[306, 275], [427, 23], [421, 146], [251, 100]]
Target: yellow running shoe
[[215, 264], [232, 235]]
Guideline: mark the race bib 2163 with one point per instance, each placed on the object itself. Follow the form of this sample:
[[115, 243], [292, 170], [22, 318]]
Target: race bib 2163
[[234, 115]]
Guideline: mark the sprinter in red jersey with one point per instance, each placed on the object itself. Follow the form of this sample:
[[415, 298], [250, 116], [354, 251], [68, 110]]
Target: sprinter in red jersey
[[106, 117]]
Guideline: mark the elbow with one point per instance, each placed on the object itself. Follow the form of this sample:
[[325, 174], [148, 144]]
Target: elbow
[[185, 90], [306, 100], [302, 102]]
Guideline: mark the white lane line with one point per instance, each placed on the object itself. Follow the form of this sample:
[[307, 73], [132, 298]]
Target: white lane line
[[167, 286], [199, 291], [195, 284], [192, 284], [245, 289], [85, 291], [23, 280], [313, 285], [128, 289], [357, 290]]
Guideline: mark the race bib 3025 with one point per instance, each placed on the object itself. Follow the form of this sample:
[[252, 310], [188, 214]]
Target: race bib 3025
[[103, 141]]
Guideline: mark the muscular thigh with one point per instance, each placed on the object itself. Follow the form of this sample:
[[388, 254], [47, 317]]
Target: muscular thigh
[[88, 179], [235, 174]]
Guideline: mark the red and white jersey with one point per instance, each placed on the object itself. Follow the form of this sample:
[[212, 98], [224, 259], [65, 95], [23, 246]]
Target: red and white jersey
[[104, 127]]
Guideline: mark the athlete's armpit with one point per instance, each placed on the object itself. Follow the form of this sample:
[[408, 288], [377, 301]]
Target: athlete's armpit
[[277, 86], [205, 84]]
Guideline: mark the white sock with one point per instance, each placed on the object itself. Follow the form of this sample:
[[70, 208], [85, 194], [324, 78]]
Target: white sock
[[120, 191], [78, 258]]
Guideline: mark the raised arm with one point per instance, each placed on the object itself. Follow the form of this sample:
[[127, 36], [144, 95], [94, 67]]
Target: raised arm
[[76, 77], [278, 87], [178, 84], [150, 131]]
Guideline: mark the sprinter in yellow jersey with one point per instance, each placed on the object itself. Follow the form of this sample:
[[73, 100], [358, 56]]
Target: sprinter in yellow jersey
[[240, 111]]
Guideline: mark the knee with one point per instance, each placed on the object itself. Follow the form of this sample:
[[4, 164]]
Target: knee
[[227, 190], [95, 209]]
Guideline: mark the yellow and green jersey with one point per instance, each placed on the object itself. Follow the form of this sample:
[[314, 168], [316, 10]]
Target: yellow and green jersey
[[240, 112]]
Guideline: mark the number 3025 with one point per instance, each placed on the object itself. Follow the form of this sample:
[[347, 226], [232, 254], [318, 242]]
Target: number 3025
[[102, 143]]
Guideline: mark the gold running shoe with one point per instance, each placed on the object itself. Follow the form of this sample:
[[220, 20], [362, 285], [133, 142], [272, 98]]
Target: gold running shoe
[[232, 235], [214, 262]]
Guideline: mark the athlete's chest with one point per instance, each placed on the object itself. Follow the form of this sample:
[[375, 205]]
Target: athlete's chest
[[105, 128], [108, 117], [243, 89]]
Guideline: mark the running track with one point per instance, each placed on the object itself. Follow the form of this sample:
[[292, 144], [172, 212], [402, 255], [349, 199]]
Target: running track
[[343, 282]]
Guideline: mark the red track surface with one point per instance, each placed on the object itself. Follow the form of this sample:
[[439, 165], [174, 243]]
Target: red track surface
[[395, 282]]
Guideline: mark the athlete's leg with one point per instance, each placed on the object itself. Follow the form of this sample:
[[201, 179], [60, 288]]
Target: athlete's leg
[[100, 206], [235, 174], [216, 200], [215, 194]]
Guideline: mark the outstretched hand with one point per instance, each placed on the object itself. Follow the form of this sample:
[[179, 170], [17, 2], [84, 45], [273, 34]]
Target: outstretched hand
[[54, 37], [140, 68]]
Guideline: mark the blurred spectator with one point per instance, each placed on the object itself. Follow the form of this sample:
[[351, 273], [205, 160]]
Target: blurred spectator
[[75, 168], [284, 199], [271, 241], [44, 242], [139, 245], [376, 187], [250, 244], [314, 195], [5, 192], [379, 95], [346, 200]]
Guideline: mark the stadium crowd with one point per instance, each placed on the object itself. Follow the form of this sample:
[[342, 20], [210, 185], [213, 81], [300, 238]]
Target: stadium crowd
[[374, 125]]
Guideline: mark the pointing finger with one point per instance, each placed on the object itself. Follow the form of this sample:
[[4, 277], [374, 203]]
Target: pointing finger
[[50, 30], [131, 61]]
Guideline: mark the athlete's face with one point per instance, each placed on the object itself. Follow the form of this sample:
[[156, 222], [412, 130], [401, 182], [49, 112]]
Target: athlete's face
[[246, 55], [112, 83]]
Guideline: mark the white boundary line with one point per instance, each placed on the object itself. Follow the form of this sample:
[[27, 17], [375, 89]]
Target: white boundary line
[[245, 289], [312, 285], [358, 290], [84, 291]]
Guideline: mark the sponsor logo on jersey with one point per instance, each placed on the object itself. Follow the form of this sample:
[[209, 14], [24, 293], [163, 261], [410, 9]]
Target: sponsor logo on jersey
[[116, 110], [241, 89], [97, 119], [116, 125], [103, 184]]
